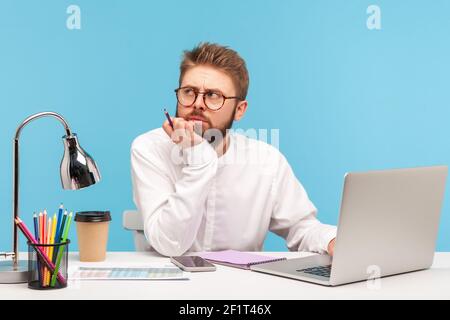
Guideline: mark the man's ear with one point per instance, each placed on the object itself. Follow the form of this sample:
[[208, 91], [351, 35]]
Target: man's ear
[[240, 110]]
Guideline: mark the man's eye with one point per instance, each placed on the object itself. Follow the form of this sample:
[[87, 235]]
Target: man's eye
[[212, 95], [188, 91]]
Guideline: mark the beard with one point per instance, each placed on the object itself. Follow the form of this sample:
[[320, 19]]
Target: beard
[[210, 134]]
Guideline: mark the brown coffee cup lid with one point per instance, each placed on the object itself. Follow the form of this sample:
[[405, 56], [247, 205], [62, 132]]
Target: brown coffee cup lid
[[93, 216]]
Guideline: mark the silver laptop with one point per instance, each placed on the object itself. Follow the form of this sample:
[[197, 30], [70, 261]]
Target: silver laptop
[[388, 225]]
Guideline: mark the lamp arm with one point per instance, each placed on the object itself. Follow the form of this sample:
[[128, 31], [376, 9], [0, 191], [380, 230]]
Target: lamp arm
[[16, 171], [41, 115]]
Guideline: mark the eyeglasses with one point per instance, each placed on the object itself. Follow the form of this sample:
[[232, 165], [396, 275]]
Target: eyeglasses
[[214, 100]]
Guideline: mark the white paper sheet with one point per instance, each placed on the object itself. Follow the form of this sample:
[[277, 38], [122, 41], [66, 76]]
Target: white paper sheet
[[128, 272]]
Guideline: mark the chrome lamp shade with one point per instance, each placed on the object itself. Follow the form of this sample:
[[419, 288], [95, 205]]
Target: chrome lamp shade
[[78, 169]]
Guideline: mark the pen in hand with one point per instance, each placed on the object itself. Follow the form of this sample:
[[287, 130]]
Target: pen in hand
[[168, 118], [196, 138]]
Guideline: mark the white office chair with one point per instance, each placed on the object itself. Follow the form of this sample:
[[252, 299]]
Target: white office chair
[[132, 220]]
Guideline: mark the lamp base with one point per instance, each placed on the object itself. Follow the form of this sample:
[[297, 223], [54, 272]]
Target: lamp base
[[9, 275]]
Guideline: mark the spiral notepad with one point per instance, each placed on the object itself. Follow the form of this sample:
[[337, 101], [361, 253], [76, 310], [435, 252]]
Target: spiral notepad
[[238, 259]]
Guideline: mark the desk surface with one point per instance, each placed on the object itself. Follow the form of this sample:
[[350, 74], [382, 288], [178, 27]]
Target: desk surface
[[232, 283]]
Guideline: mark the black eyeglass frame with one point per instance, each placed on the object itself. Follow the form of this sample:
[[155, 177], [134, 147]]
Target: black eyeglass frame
[[225, 98]]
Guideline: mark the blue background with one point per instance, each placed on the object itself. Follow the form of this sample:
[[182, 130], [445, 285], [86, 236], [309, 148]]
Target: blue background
[[344, 97]]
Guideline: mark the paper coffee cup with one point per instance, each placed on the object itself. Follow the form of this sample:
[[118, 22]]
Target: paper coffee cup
[[92, 233]]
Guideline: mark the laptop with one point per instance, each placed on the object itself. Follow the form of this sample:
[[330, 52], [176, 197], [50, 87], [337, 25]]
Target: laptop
[[388, 225]]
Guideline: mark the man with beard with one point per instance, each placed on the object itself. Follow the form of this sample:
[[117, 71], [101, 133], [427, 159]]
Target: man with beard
[[200, 187]]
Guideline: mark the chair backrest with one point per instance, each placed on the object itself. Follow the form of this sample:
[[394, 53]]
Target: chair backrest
[[132, 220]]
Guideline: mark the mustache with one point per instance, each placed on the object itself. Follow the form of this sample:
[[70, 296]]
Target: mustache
[[200, 115]]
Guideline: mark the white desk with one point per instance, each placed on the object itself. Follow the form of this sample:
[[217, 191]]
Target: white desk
[[231, 283]]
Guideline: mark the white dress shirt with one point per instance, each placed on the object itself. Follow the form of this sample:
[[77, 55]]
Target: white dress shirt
[[193, 200]]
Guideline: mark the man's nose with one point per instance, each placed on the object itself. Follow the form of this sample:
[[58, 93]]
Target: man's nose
[[199, 102]]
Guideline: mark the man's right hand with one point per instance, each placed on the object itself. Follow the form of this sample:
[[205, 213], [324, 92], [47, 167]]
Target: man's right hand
[[182, 133]]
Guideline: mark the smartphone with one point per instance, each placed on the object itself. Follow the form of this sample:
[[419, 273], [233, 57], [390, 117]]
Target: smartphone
[[192, 263]]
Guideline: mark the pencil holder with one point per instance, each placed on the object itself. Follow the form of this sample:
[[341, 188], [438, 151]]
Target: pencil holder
[[40, 275]]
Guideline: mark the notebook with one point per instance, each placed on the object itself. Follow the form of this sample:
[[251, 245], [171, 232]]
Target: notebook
[[238, 259]]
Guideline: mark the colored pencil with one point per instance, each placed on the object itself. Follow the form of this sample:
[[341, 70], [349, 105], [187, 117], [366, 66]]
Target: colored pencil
[[52, 236], [44, 241], [41, 232], [40, 252], [58, 225], [59, 233], [37, 235], [36, 226], [44, 225], [63, 224], [49, 232], [61, 248], [44, 238]]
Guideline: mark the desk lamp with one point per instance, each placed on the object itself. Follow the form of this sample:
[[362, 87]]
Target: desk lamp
[[78, 170]]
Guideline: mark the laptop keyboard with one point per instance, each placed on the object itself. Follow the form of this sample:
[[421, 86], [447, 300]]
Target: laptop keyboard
[[323, 271]]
